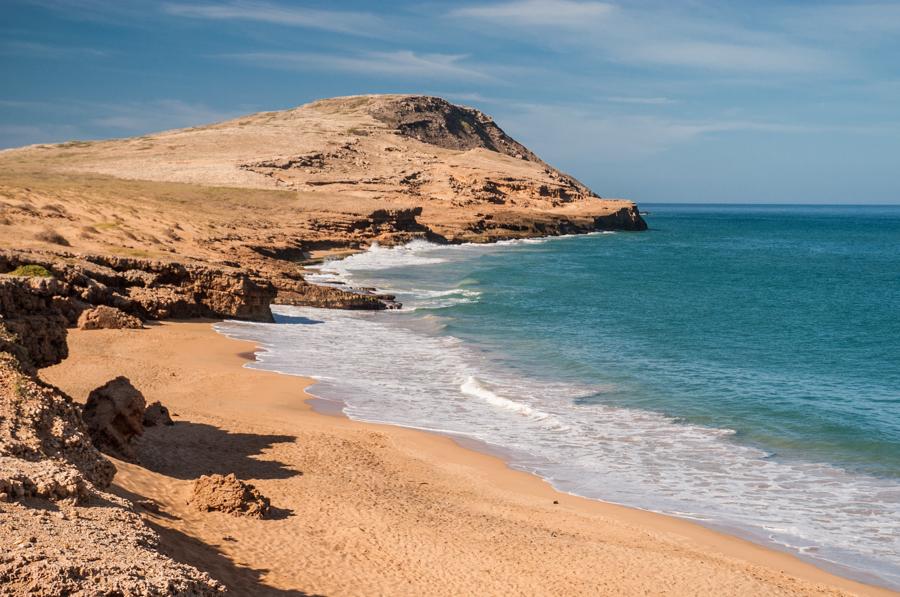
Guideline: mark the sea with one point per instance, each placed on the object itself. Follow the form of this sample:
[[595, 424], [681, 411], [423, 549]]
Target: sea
[[735, 365]]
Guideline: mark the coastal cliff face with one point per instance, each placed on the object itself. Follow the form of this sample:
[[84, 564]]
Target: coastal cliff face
[[179, 223], [62, 533]]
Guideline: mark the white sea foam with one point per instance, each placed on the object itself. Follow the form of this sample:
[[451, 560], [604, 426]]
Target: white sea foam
[[405, 371], [473, 387]]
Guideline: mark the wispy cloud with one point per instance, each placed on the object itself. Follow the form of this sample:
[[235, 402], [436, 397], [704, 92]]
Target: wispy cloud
[[400, 63], [104, 119], [356, 23], [642, 101], [566, 13], [42, 50], [648, 34], [853, 18], [17, 135], [780, 58], [566, 134], [152, 116]]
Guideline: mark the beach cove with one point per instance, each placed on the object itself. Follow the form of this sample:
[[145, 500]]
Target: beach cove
[[376, 509]]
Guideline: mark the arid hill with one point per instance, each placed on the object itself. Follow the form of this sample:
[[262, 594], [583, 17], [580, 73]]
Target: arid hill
[[266, 192]]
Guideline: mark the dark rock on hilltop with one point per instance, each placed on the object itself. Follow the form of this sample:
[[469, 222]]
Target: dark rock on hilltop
[[436, 121]]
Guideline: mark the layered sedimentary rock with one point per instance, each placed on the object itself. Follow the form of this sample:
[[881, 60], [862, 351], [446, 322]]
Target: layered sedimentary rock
[[148, 289]]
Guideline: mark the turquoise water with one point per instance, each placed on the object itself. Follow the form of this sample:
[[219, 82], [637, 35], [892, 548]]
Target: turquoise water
[[737, 365], [780, 323]]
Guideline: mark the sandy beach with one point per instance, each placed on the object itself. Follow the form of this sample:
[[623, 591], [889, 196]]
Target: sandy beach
[[363, 509]]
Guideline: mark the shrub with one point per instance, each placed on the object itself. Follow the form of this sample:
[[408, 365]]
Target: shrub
[[31, 271], [51, 236]]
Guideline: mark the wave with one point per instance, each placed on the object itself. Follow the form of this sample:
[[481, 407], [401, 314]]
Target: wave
[[472, 387]]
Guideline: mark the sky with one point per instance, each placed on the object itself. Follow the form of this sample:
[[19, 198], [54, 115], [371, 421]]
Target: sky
[[683, 101]]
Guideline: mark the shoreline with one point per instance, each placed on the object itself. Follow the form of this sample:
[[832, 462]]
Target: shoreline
[[334, 408], [458, 508]]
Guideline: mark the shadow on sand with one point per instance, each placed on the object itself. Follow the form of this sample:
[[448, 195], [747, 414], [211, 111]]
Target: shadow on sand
[[240, 580], [188, 450]]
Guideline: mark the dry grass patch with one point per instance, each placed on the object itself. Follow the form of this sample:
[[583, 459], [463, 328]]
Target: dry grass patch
[[49, 235]]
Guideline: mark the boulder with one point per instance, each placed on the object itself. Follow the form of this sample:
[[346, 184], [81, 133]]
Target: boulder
[[227, 493], [114, 415], [157, 414], [107, 318]]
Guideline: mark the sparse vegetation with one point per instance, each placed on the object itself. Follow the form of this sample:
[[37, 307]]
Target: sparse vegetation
[[76, 143], [48, 235], [31, 271]]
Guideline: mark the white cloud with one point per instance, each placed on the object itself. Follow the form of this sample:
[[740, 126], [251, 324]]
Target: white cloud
[[42, 50], [566, 13], [652, 34], [643, 101], [729, 56], [573, 134], [400, 63], [356, 23], [17, 135], [153, 116]]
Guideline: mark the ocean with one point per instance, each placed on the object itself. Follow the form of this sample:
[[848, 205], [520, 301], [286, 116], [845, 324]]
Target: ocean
[[734, 365]]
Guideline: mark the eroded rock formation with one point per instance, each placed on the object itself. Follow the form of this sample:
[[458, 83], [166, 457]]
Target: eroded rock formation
[[114, 415], [60, 533], [104, 317], [227, 493], [45, 450], [149, 289]]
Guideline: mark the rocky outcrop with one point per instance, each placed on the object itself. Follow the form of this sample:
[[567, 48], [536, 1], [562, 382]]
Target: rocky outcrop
[[61, 534], [627, 218], [436, 121], [32, 327], [44, 446], [227, 493], [157, 414], [45, 449], [104, 317], [291, 292], [147, 289], [114, 415]]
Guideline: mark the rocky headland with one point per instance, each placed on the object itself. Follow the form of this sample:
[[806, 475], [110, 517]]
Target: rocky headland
[[215, 221], [219, 220]]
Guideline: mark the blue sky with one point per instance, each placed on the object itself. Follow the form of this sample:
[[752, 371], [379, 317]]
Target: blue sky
[[655, 101]]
